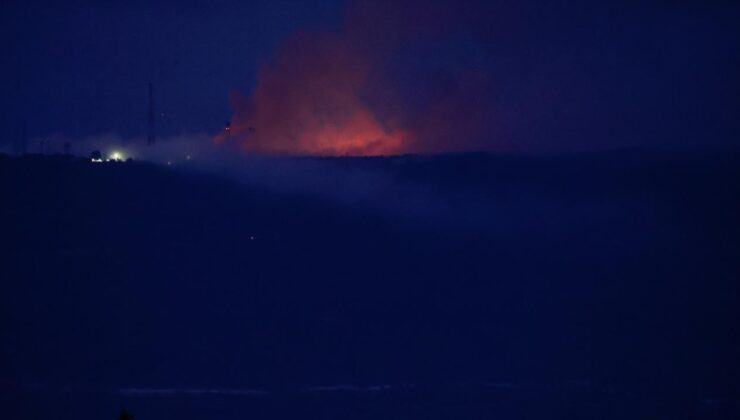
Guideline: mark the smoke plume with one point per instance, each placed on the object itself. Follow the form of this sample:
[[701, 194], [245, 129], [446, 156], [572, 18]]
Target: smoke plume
[[348, 93]]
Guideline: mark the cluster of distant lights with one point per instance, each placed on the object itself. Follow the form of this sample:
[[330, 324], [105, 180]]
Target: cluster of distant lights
[[113, 157], [117, 156]]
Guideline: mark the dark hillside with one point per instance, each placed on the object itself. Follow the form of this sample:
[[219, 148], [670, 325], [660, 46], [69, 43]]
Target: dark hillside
[[617, 271]]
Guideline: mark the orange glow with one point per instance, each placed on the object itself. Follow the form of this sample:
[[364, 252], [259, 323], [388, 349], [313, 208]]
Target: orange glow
[[340, 93], [309, 100]]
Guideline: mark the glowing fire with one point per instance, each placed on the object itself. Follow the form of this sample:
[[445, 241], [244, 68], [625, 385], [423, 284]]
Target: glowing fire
[[359, 134], [309, 101], [339, 93]]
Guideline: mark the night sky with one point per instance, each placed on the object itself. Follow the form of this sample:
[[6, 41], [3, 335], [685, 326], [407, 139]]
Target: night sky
[[428, 77]]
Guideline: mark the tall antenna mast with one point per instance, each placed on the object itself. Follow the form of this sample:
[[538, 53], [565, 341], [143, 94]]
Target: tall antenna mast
[[151, 136]]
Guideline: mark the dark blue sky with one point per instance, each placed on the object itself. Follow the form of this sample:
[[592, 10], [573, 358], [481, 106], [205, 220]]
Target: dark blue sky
[[558, 75], [83, 68]]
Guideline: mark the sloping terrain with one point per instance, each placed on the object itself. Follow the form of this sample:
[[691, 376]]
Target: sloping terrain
[[617, 272]]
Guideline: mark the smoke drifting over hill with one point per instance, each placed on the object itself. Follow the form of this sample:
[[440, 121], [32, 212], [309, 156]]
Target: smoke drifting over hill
[[345, 93], [309, 101]]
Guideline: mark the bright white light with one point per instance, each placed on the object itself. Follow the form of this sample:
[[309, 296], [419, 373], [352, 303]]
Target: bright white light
[[96, 160], [116, 156]]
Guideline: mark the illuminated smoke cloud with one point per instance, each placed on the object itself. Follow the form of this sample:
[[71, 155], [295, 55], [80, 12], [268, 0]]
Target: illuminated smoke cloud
[[332, 93], [309, 100]]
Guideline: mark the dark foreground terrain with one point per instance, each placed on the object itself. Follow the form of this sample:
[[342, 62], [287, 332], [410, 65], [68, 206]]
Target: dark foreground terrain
[[457, 287]]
